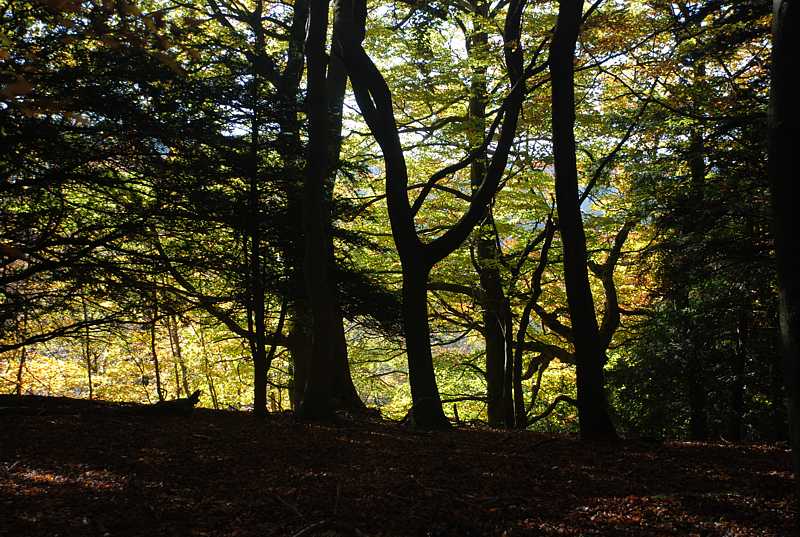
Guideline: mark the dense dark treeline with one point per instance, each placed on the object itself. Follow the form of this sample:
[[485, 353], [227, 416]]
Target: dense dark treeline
[[783, 121], [711, 334], [571, 192]]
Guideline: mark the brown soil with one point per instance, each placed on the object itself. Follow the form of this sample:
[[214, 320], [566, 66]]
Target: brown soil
[[71, 468]]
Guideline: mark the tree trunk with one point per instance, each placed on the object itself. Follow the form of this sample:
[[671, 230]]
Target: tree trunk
[[343, 390], [300, 348], [21, 370], [375, 102], [698, 398], [300, 326], [516, 414], [784, 118], [258, 343], [172, 323], [154, 356], [212, 390], [486, 252], [301, 331], [426, 412], [593, 416], [736, 413], [493, 318], [87, 348], [777, 400], [317, 402]]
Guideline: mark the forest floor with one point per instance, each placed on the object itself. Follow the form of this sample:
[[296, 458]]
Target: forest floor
[[74, 469]]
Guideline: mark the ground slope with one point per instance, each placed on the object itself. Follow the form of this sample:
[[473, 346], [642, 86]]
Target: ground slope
[[102, 470]]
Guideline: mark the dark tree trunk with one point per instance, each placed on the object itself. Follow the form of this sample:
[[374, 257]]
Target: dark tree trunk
[[154, 357], [172, 322], [23, 355], [516, 414], [427, 411], [343, 389], [520, 409], [317, 403], [493, 330], [777, 400], [257, 325], [736, 415], [300, 331], [300, 340], [593, 416], [784, 118], [300, 348], [690, 356], [258, 344], [698, 398], [695, 370], [87, 349]]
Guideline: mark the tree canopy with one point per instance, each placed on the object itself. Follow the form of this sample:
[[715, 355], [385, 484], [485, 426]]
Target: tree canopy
[[542, 215]]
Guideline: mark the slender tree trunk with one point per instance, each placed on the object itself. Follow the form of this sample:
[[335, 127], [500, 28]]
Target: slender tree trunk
[[520, 409], [300, 325], [427, 411], [154, 355], [317, 403], [176, 346], [258, 343], [486, 251], [494, 328], [777, 400], [736, 416], [23, 356], [694, 370], [87, 347], [698, 398], [212, 390], [516, 414], [593, 416], [784, 118]]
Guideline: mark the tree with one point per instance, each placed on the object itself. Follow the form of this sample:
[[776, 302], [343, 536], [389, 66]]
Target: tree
[[595, 423], [316, 210], [417, 258], [496, 310], [243, 190], [699, 181], [784, 115]]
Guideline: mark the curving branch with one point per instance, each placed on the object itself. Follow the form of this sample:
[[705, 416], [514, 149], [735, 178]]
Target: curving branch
[[549, 410], [605, 272]]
